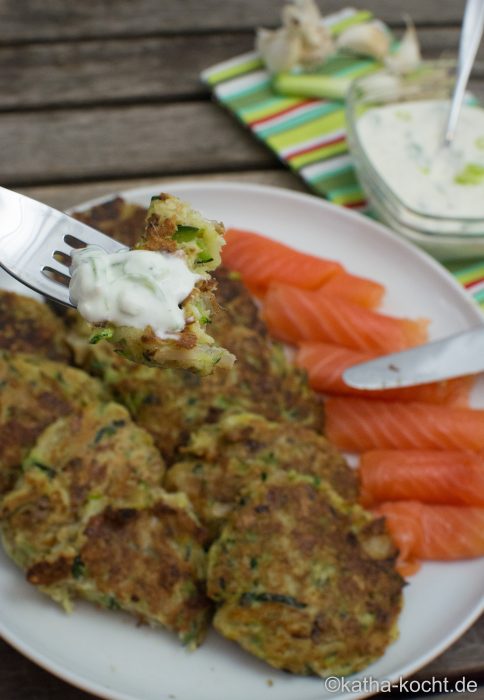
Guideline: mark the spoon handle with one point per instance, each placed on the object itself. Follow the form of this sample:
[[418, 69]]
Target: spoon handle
[[472, 27], [469, 23]]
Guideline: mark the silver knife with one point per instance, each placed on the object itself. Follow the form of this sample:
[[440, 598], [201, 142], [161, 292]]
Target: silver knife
[[454, 356]]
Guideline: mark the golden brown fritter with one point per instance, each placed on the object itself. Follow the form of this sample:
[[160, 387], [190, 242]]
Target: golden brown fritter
[[27, 325], [172, 404], [146, 560], [222, 459], [304, 580], [173, 227], [237, 304], [150, 562], [116, 218], [264, 381], [82, 462], [126, 222], [88, 518], [34, 393]]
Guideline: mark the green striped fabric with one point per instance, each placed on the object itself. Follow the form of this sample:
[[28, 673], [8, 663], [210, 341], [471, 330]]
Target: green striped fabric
[[308, 135]]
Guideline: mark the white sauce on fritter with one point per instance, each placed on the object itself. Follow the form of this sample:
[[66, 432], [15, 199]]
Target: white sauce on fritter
[[136, 288]]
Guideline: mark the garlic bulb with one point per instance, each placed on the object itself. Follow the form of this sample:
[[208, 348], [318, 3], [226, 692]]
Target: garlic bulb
[[317, 45], [407, 57], [303, 40], [367, 39]]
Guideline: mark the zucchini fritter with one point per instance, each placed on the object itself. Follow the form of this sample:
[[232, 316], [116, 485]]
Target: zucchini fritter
[[27, 325], [149, 562], [88, 519], [173, 227], [171, 404], [222, 459], [304, 580], [116, 218], [79, 465], [236, 302], [34, 393]]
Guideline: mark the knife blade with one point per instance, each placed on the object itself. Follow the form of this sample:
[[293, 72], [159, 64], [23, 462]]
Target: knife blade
[[453, 356]]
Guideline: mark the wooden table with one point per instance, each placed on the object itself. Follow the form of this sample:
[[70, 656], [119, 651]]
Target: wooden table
[[102, 95]]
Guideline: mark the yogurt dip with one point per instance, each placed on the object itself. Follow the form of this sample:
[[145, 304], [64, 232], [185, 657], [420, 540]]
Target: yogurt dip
[[136, 288], [404, 143]]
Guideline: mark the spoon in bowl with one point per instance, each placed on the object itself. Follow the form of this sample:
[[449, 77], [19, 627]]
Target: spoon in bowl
[[470, 38]]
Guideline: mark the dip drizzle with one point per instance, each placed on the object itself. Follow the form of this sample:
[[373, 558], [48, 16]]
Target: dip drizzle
[[136, 288]]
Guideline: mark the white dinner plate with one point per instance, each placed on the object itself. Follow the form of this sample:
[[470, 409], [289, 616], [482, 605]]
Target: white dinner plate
[[106, 653]]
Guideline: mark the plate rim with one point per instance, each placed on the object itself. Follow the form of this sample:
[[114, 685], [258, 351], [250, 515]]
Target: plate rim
[[79, 681]]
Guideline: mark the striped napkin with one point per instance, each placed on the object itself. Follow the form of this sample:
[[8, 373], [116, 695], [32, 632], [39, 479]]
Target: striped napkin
[[308, 135]]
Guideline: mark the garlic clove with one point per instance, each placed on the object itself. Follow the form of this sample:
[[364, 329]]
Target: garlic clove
[[280, 49], [367, 39], [302, 41], [407, 57], [316, 47], [301, 12]]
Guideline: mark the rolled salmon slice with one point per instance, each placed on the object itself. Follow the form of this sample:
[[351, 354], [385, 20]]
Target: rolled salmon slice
[[360, 425], [433, 532], [296, 315], [325, 364], [357, 290], [261, 260], [445, 478]]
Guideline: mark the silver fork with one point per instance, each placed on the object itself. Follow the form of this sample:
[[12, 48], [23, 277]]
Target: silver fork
[[36, 242]]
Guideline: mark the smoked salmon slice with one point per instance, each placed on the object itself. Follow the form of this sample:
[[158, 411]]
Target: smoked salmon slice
[[295, 315], [357, 290], [447, 478], [261, 260], [431, 532], [325, 364], [360, 425]]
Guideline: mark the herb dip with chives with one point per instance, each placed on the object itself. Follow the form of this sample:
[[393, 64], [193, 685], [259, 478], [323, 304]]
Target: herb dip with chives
[[136, 288], [404, 143]]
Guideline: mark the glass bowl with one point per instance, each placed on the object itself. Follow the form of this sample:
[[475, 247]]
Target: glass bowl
[[444, 237]]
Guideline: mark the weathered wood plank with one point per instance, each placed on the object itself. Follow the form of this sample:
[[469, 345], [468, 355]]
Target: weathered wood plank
[[476, 693], [135, 141], [32, 20], [88, 72], [65, 196], [115, 70], [20, 679], [55, 146], [94, 71], [465, 657]]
